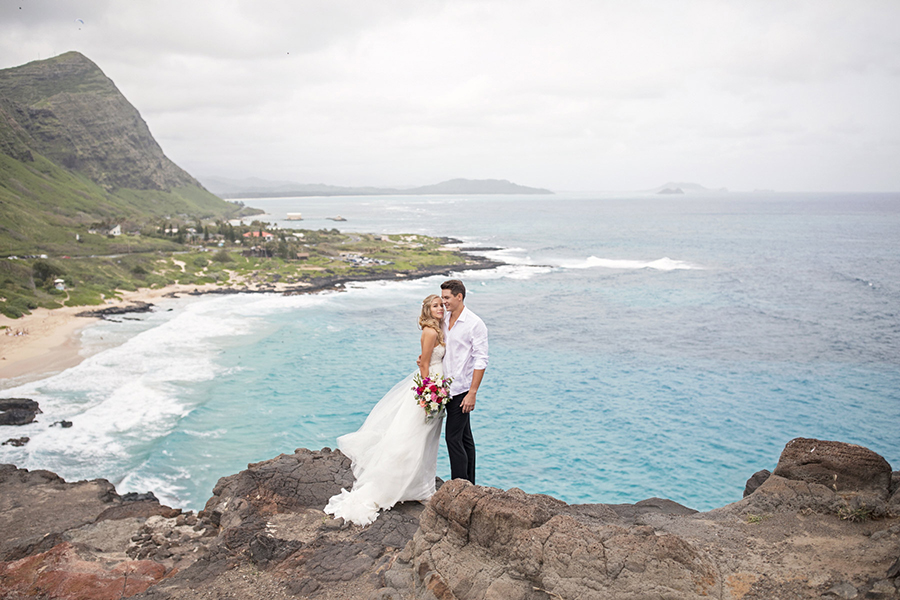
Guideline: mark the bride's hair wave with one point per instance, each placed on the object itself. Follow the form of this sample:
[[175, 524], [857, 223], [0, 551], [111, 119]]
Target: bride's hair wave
[[426, 319]]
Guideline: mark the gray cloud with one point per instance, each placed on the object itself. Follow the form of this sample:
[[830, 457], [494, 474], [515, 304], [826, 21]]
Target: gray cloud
[[568, 94]]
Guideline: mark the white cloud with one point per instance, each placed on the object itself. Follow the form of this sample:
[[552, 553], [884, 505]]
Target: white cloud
[[567, 94]]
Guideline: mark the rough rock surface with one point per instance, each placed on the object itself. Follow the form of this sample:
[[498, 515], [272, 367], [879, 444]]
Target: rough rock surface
[[274, 540], [76, 540], [17, 411], [839, 466], [263, 535]]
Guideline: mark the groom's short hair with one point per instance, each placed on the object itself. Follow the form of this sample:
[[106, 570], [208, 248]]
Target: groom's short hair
[[455, 286]]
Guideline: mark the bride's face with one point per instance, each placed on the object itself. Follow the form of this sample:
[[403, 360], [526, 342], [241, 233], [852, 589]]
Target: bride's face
[[437, 309]]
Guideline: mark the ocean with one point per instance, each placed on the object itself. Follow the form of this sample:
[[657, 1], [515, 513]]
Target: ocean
[[641, 345]]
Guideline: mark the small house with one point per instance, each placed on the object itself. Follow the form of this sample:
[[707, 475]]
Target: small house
[[265, 235]]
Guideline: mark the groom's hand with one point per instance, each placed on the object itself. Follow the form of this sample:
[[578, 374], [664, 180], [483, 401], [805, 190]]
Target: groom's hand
[[468, 403]]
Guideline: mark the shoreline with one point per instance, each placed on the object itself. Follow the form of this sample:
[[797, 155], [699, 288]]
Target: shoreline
[[51, 342]]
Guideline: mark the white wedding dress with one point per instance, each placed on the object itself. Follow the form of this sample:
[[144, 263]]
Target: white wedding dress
[[394, 454]]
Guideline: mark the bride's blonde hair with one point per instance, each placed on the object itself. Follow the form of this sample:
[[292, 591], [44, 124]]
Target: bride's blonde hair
[[426, 319]]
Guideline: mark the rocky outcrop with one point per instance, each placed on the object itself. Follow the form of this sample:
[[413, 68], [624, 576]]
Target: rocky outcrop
[[263, 534], [271, 530], [477, 542], [76, 540], [836, 465], [825, 476], [18, 411], [788, 538]]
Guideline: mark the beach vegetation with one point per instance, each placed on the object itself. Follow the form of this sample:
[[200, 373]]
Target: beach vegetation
[[290, 257]]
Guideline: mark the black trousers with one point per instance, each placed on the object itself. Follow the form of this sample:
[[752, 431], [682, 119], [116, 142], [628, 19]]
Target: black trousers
[[460, 443]]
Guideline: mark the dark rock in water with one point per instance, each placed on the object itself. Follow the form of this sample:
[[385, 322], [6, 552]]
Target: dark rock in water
[[755, 481], [839, 466], [135, 497], [134, 307], [16, 442], [63, 424], [18, 411]]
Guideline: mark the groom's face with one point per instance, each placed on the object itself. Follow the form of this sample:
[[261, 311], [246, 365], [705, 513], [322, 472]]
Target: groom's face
[[451, 302]]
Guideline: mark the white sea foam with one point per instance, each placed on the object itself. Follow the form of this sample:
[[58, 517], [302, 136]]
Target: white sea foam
[[122, 398], [662, 264]]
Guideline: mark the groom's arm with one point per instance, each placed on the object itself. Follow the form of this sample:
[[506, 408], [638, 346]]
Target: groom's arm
[[480, 356], [468, 403]]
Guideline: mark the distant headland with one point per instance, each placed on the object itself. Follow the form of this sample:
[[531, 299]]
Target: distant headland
[[261, 188], [682, 187]]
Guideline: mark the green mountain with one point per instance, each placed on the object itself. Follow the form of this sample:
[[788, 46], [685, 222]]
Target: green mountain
[[74, 153]]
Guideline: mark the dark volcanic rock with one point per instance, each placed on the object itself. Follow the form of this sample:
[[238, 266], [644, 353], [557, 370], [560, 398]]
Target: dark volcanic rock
[[840, 467], [36, 507], [133, 307], [17, 411], [16, 442], [270, 516], [755, 481], [264, 535]]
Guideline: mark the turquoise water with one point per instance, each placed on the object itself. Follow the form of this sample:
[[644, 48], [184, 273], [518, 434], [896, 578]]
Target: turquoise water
[[640, 346]]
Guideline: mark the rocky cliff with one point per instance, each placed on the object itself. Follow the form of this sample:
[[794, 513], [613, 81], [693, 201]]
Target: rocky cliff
[[66, 109], [826, 524]]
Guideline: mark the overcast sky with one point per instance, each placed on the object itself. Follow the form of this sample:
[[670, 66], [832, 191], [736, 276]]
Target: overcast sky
[[563, 94]]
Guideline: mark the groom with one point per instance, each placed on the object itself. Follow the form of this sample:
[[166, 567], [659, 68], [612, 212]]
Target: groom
[[465, 360]]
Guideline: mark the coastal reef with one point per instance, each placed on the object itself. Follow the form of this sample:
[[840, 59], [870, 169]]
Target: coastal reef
[[824, 524]]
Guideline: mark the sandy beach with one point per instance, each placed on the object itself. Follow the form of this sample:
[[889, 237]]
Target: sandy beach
[[48, 340]]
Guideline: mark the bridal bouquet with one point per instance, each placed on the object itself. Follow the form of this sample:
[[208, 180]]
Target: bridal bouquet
[[432, 393]]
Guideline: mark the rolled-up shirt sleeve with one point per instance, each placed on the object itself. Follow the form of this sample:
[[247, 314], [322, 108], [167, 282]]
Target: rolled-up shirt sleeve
[[480, 346]]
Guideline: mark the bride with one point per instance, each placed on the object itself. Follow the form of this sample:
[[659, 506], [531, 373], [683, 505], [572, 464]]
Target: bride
[[394, 453]]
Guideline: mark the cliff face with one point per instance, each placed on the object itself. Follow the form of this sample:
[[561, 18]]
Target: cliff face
[[263, 535], [66, 109]]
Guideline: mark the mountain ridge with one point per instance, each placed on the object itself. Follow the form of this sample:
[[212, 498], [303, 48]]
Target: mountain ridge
[[73, 152], [260, 188]]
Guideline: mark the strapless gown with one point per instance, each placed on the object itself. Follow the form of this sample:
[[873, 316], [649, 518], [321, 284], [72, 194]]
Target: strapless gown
[[394, 454]]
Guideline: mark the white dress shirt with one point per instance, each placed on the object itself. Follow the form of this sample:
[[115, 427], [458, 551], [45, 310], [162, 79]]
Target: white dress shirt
[[467, 349]]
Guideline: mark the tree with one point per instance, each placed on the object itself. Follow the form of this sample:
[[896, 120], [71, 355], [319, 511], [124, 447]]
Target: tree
[[44, 272]]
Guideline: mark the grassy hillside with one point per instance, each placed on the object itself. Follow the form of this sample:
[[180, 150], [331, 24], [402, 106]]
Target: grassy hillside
[[43, 207], [76, 155]]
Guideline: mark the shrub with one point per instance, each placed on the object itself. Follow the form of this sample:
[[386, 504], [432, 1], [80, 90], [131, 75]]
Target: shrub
[[222, 256]]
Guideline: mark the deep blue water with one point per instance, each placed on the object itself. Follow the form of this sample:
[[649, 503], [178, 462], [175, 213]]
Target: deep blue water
[[640, 346]]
